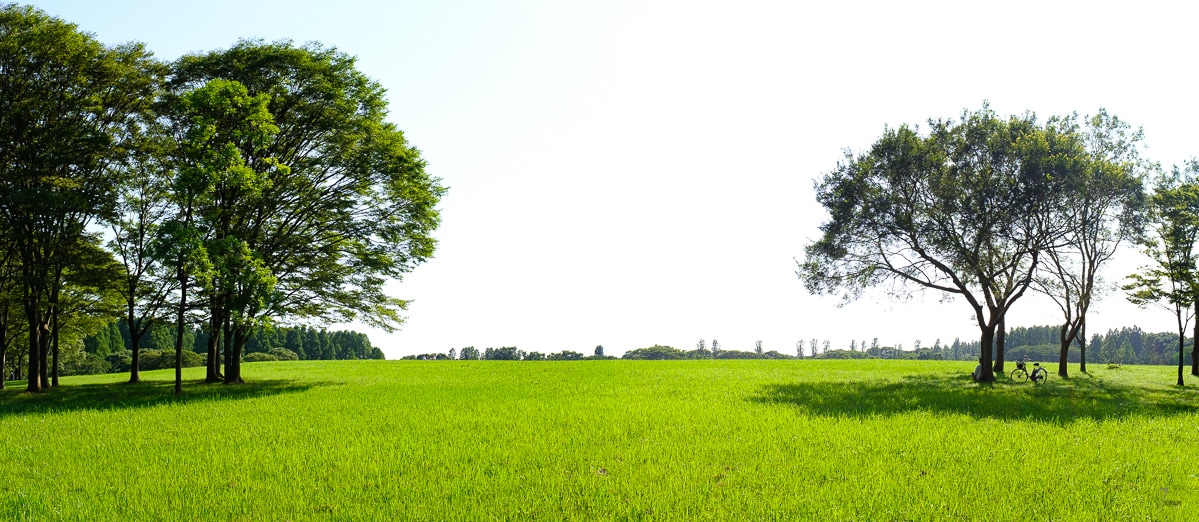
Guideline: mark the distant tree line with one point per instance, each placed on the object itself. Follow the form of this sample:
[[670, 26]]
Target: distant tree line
[[109, 349]]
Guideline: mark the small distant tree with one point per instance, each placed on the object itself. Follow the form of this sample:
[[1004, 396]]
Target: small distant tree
[[1126, 355], [758, 347], [453, 354], [799, 349], [715, 347], [815, 346], [916, 345], [469, 353], [853, 346], [826, 346], [599, 350]]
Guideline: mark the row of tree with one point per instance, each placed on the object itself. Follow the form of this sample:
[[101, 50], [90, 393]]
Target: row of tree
[[235, 188], [986, 208]]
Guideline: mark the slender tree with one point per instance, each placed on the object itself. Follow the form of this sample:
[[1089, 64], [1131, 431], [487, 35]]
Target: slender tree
[[1103, 210], [1173, 226]]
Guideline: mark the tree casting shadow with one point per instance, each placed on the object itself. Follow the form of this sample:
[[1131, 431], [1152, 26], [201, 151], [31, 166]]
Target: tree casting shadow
[[117, 396], [1055, 402]]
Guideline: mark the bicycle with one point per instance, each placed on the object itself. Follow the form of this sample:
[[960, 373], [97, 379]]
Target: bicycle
[[1020, 374]]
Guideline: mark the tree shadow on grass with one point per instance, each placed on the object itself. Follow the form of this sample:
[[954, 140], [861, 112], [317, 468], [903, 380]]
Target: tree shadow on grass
[[117, 396], [1056, 402]]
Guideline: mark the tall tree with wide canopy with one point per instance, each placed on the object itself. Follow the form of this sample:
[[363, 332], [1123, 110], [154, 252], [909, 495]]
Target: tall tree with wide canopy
[[65, 100], [1102, 209], [963, 210], [355, 207]]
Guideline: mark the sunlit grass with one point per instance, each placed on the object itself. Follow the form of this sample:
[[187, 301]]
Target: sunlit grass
[[453, 440]]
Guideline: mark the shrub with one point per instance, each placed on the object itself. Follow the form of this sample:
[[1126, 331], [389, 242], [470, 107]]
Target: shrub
[[535, 356], [120, 361], [258, 357], [165, 359], [565, 355], [283, 354], [655, 352], [507, 353], [88, 364]]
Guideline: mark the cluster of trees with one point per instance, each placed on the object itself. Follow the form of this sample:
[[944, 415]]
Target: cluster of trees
[[508, 353], [986, 208], [223, 191], [111, 348]]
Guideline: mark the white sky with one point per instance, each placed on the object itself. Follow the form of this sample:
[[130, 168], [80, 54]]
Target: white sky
[[632, 173]]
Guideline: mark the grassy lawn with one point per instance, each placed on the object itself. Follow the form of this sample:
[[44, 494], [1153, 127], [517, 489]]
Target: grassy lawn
[[677, 440]]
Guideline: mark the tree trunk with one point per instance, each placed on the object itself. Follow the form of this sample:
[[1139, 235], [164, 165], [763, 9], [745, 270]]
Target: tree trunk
[[54, 347], [1195, 344], [33, 317], [1065, 344], [43, 367], [987, 340], [213, 359], [136, 331], [1000, 338], [233, 356], [1082, 347], [1181, 338], [179, 325], [4, 349]]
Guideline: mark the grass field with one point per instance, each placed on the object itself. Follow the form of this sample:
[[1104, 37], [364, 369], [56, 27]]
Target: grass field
[[655, 440]]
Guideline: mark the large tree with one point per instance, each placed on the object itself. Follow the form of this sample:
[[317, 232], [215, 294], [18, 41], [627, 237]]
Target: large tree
[[65, 99], [1102, 209], [962, 210], [353, 209]]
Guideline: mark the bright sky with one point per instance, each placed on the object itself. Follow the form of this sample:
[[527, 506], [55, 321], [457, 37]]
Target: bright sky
[[640, 172]]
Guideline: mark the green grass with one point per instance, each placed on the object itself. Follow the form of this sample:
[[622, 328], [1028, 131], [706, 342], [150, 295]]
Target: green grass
[[654, 440]]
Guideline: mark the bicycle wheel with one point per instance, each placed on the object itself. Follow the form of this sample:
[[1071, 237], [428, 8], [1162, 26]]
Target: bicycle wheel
[[1039, 375], [1019, 375]]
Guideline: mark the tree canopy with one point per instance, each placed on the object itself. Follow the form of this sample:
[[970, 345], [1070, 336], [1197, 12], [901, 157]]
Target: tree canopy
[[964, 209]]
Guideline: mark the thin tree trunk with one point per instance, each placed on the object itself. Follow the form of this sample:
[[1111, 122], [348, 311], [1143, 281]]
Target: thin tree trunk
[[54, 347], [179, 325], [43, 367], [1195, 343], [4, 349], [137, 328], [1065, 346], [1082, 347], [1000, 338], [35, 348], [1181, 338], [213, 359]]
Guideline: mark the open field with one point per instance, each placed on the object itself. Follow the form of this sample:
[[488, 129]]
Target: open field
[[457, 440]]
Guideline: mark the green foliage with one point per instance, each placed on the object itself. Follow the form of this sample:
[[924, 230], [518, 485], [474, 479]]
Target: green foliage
[[655, 352], [564, 355], [282, 354], [88, 364], [259, 357], [507, 353], [469, 353], [165, 359]]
